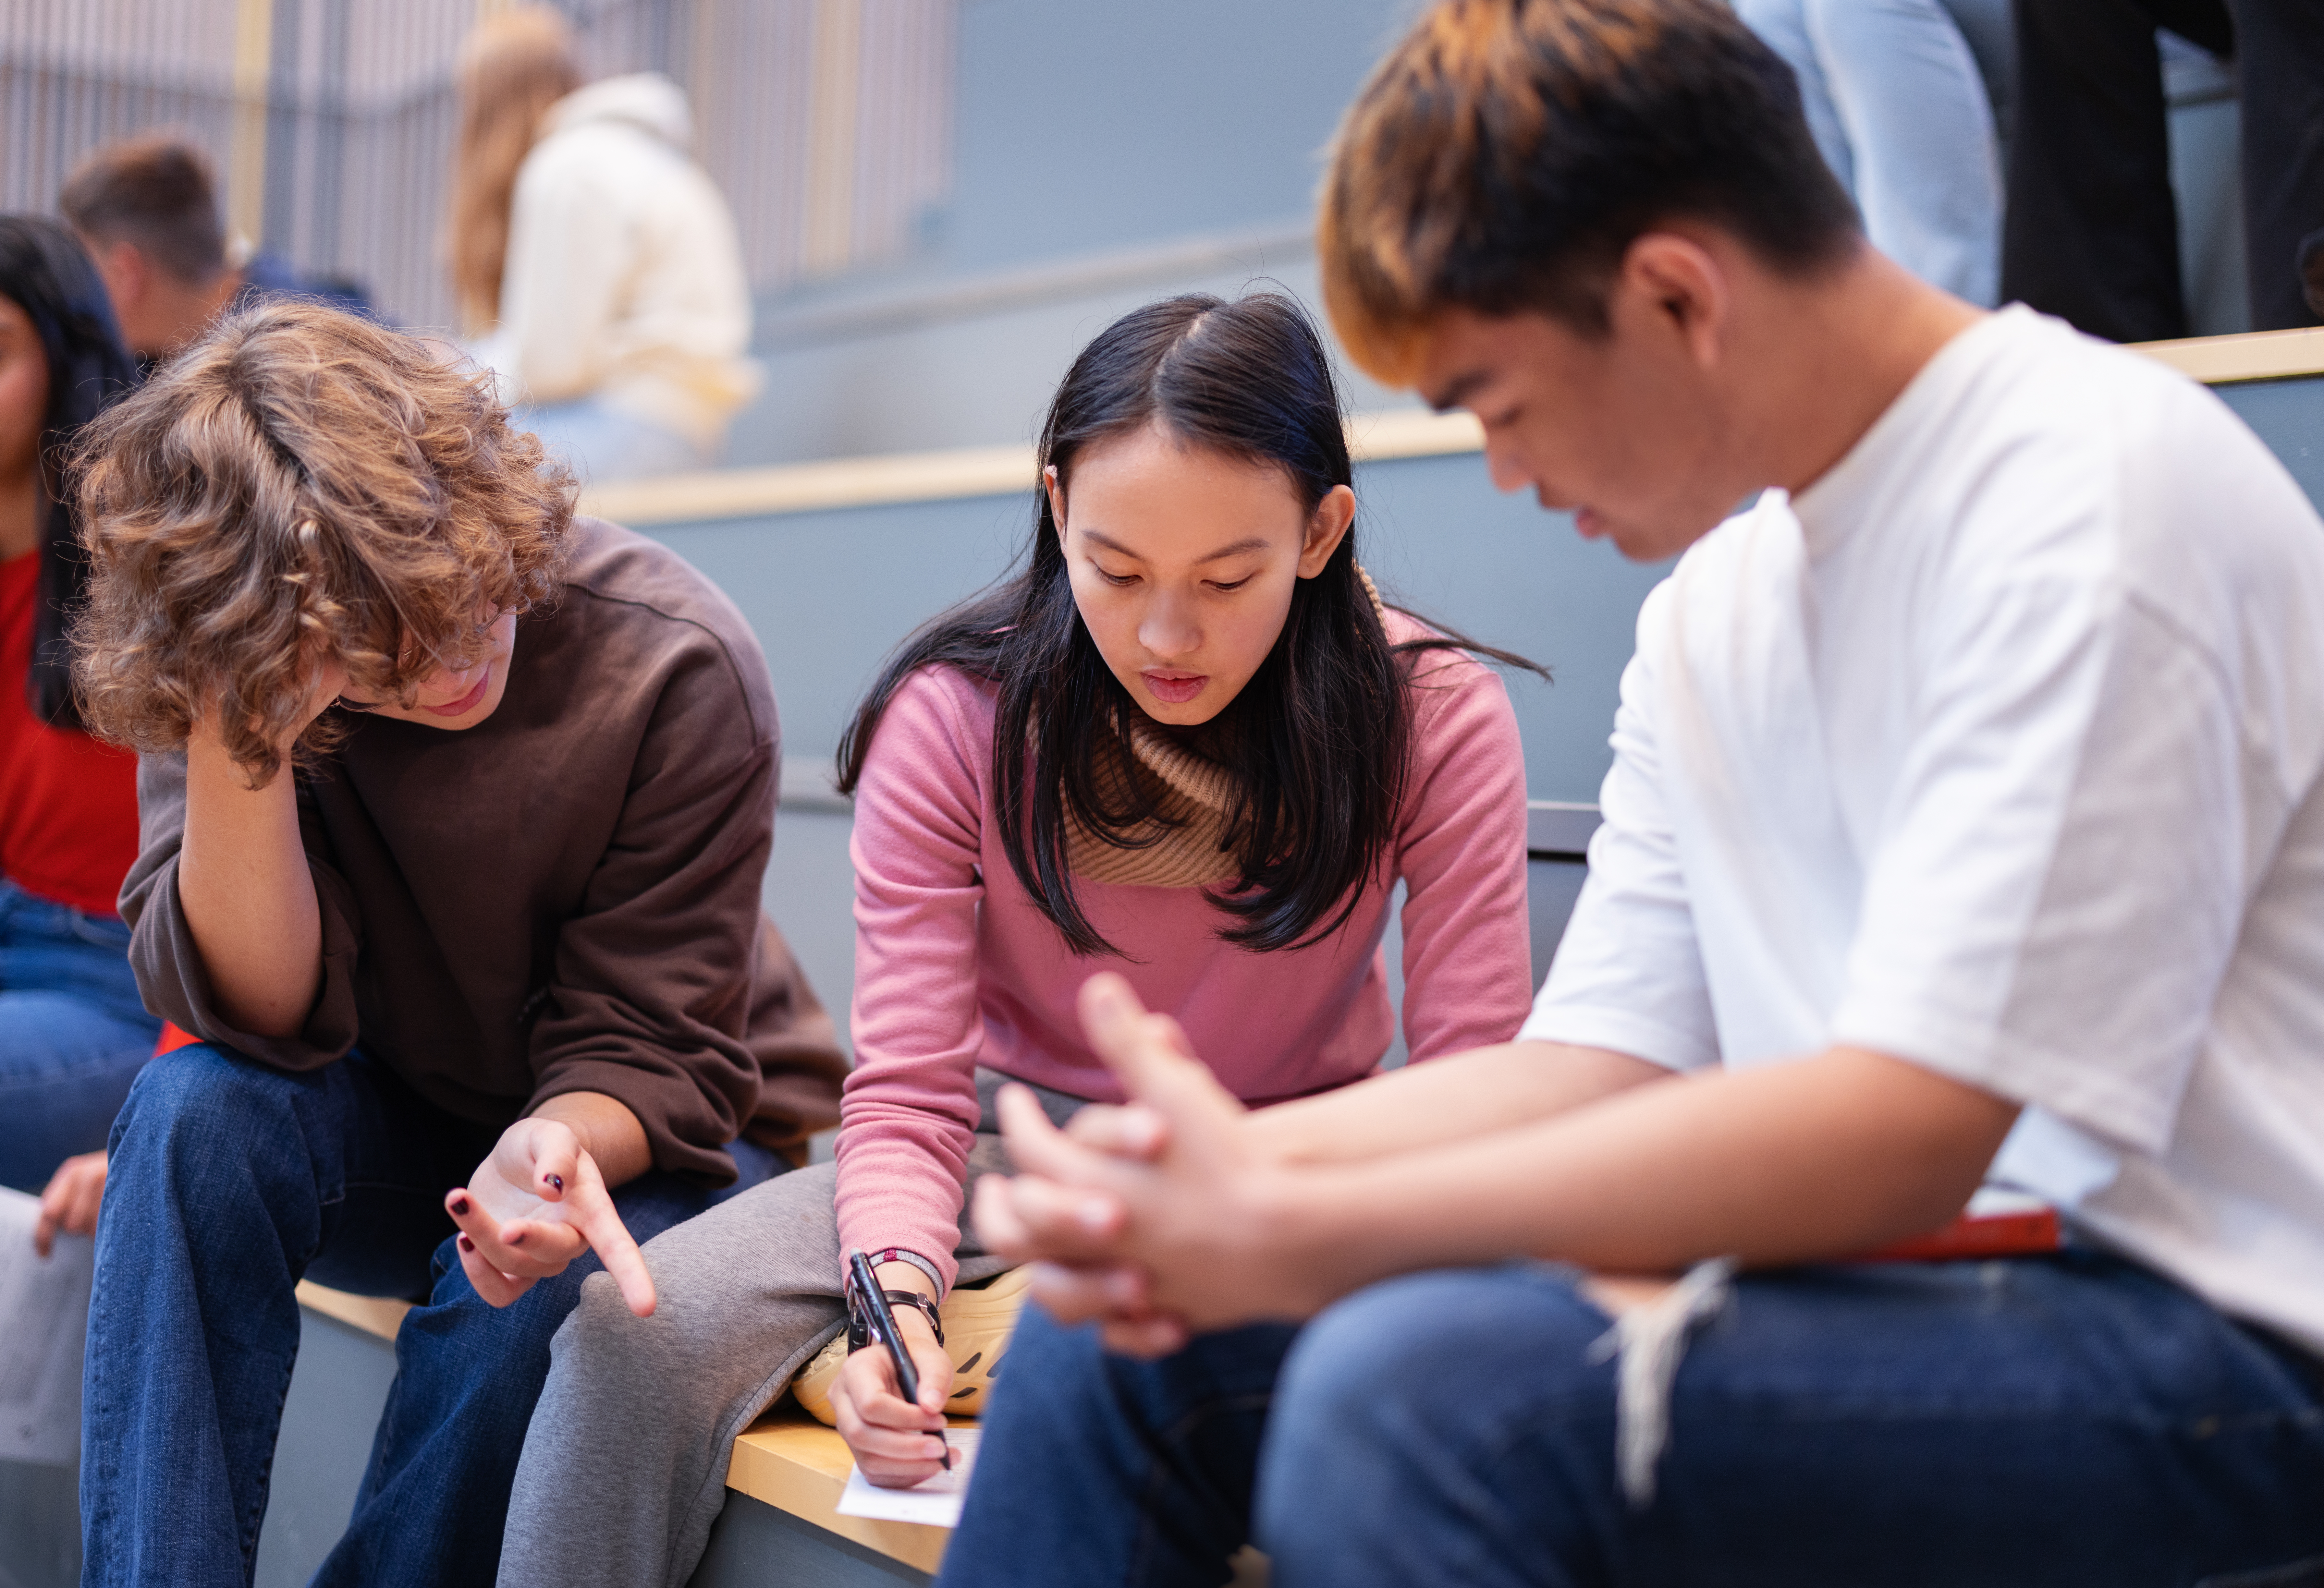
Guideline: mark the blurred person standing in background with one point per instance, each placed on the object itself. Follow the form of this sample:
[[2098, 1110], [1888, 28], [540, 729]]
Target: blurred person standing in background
[[73, 1030], [1900, 115], [598, 266], [147, 211], [2093, 231]]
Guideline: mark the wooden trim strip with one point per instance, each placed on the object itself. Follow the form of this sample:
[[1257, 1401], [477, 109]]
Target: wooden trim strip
[[2260, 355], [970, 471], [806, 488], [958, 473], [791, 1462]]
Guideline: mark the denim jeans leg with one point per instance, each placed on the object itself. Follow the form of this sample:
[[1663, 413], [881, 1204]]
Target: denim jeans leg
[[1927, 168], [221, 1177], [1782, 26], [1102, 1469], [2066, 1422], [73, 1033], [434, 1500]]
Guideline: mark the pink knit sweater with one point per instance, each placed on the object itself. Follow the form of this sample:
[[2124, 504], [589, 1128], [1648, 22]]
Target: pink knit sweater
[[955, 966]]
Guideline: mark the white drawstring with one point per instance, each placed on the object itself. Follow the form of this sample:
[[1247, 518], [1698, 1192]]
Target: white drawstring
[[1652, 1338]]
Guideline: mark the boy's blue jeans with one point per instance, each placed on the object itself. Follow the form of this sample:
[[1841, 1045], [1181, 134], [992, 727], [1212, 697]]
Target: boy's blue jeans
[[2063, 1422], [73, 1033], [229, 1183]]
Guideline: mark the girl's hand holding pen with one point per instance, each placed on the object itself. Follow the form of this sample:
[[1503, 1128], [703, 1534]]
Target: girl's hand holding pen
[[897, 1441]]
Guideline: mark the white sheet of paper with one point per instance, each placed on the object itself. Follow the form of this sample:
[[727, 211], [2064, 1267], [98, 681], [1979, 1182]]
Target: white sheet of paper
[[44, 1321], [932, 1502]]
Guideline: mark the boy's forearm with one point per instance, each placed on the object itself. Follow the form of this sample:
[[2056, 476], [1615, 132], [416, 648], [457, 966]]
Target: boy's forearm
[[1821, 1158], [248, 896], [1454, 1098], [608, 1130]]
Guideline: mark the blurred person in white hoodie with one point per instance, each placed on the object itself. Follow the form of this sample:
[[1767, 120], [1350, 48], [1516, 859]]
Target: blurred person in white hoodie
[[597, 264]]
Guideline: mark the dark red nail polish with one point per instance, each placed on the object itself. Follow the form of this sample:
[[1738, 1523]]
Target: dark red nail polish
[[557, 1181], [465, 1243], [460, 1205], [517, 1239]]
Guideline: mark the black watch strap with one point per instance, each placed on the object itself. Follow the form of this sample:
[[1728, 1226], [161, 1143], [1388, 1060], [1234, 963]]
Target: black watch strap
[[859, 1322]]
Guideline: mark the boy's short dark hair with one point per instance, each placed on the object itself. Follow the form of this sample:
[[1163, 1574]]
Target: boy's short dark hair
[[157, 192], [1504, 156]]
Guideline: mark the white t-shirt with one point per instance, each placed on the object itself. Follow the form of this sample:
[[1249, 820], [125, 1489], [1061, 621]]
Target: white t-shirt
[[2001, 751]]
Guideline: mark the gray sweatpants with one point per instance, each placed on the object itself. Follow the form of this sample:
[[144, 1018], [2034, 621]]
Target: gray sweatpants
[[624, 1467]]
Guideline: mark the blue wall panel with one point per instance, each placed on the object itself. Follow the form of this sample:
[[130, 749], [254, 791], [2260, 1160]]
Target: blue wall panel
[[1090, 125], [2289, 416]]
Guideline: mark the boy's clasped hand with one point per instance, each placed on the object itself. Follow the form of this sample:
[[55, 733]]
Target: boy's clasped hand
[[1146, 1217]]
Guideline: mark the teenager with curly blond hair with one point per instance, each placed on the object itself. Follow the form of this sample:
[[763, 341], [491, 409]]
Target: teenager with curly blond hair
[[455, 811]]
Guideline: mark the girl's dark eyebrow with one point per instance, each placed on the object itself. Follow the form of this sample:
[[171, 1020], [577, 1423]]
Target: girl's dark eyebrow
[[1248, 543]]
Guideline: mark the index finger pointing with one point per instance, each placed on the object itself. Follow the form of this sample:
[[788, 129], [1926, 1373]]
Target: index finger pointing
[[600, 1221]]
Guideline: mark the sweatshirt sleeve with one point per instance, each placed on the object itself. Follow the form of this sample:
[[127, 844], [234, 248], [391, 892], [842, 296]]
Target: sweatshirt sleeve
[[1468, 965], [170, 976], [908, 1116], [800, 1064], [651, 990]]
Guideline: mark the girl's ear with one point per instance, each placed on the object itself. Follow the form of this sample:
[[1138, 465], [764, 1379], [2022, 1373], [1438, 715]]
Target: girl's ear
[[1327, 528], [1056, 501]]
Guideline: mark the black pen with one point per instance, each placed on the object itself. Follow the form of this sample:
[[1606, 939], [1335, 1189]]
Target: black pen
[[883, 1323]]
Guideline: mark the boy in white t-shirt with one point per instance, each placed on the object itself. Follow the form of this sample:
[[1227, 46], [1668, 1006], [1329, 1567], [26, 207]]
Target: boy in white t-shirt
[[1965, 826]]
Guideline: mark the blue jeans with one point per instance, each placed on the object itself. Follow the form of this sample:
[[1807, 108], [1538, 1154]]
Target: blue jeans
[[2066, 1422], [1900, 115], [230, 1182], [73, 1033]]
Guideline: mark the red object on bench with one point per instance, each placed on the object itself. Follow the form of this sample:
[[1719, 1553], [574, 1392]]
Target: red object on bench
[[172, 1039], [1995, 1224]]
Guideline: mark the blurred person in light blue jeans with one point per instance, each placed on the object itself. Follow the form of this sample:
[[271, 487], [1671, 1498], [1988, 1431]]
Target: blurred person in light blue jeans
[[1898, 111]]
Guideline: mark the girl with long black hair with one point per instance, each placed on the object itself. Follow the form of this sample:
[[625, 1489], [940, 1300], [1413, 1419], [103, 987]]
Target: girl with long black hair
[[73, 1030], [1185, 740]]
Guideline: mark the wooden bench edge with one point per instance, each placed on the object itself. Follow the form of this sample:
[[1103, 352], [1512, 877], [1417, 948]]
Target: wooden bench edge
[[790, 1461], [373, 1315]]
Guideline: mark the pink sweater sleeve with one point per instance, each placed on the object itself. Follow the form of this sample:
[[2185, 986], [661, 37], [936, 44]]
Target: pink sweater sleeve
[[1468, 958], [909, 1113]]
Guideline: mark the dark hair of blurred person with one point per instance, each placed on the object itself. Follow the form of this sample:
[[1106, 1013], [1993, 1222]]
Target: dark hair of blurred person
[[147, 210], [73, 1031], [513, 68]]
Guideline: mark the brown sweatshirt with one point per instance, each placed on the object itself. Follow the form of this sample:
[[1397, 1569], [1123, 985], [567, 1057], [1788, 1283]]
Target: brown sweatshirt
[[563, 898]]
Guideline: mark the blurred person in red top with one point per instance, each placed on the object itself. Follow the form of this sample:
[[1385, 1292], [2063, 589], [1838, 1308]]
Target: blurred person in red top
[[73, 1030]]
